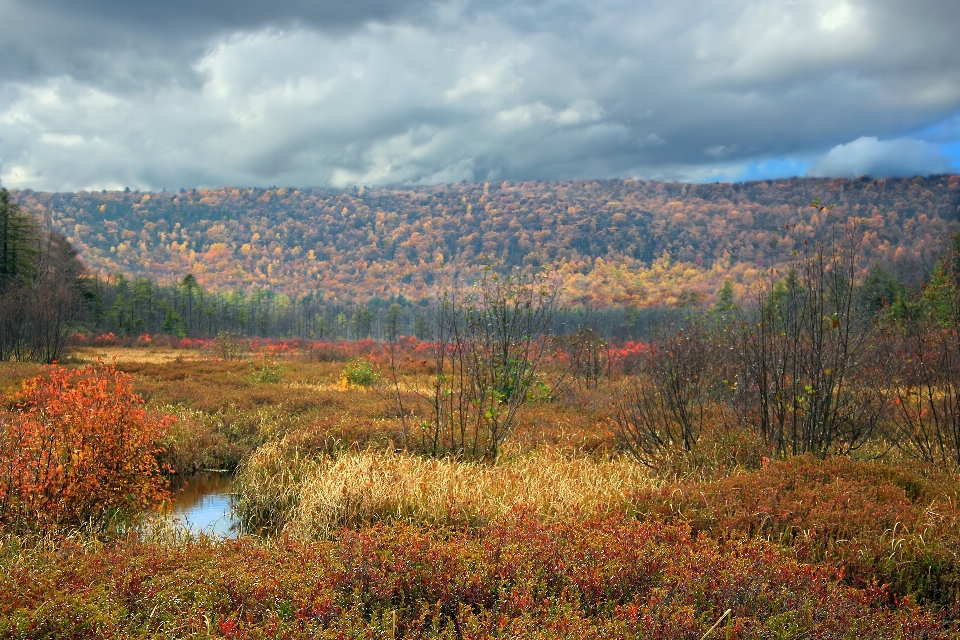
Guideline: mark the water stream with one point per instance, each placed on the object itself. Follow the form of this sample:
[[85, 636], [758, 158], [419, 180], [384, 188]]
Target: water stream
[[201, 503]]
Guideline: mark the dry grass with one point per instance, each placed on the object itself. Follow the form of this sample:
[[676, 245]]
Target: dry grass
[[315, 498], [12, 375], [148, 355]]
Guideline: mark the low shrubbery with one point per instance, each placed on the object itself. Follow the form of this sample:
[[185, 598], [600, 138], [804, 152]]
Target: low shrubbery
[[874, 522], [877, 523], [594, 575], [355, 520]]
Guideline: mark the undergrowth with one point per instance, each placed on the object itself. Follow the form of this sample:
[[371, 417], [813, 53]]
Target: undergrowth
[[562, 537], [595, 574]]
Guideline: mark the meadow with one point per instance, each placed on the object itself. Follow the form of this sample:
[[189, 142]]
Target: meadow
[[352, 534]]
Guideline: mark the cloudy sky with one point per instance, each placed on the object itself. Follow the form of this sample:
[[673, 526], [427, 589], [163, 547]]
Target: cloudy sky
[[180, 93]]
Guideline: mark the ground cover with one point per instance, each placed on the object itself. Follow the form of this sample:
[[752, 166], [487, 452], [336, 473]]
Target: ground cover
[[598, 575], [564, 536]]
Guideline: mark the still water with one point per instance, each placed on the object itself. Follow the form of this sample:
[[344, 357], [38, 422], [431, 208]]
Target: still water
[[201, 502]]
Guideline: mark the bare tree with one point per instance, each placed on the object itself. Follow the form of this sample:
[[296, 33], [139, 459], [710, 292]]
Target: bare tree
[[812, 380], [667, 402], [39, 287], [925, 338], [925, 410], [587, 354], [490, 344]]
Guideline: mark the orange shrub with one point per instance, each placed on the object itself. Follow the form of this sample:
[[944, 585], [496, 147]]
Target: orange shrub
[[78, 447]]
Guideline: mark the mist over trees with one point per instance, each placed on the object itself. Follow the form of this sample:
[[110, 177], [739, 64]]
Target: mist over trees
[[125, 308]]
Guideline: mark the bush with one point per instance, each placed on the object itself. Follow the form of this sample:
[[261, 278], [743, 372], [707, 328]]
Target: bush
[[78, 448], [264, 371], [665, 410], [360, 373], [229, 345]]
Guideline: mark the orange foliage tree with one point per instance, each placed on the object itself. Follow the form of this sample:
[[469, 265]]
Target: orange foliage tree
[[78, 447]]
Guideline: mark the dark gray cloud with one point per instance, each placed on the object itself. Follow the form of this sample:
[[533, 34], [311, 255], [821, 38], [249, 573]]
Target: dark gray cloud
[[110, 93], [78, 37], [220, 15]]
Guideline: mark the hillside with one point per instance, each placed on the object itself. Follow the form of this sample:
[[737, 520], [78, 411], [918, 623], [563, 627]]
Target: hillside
[[616, 242]]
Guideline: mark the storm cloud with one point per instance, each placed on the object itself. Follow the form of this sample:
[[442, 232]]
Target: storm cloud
[[107, 94]]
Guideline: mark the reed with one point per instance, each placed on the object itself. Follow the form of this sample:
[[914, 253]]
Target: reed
[[316, 498]]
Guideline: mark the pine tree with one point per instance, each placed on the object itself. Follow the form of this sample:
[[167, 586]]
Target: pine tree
[[39, 287], [725, 302], [18, 241]]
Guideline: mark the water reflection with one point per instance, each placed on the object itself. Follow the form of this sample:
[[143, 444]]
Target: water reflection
[[201, 502]]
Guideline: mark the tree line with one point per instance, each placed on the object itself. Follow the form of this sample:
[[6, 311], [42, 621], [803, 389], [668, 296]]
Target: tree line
[[130, 308], [616, 242], [825, 357], [40, 292]]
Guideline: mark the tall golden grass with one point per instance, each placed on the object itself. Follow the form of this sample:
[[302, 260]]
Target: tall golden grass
[[146, 355], [316, 497]]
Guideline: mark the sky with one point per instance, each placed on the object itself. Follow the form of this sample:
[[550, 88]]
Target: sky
[[151, 95]]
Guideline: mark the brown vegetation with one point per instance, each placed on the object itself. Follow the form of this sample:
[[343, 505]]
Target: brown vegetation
[[786, 469], [553, 539]]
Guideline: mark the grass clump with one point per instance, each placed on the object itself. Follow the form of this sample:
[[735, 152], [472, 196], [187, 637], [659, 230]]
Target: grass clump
[[199, 440], [315, 498], [360, 373]]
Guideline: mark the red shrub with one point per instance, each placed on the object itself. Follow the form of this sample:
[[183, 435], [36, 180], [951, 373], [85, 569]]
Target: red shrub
[[76, 447], [626, 359]]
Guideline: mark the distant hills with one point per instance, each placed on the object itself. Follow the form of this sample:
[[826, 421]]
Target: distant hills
[[618, 242]]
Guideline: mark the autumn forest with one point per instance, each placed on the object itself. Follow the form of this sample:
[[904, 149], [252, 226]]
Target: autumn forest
[[597, 409], [615, 242]]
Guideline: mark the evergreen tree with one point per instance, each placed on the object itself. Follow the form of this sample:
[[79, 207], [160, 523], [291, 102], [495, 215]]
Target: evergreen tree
[[879, 291], [39, 287], [394, 314], [18, 241], [725, 302], [941, 295]]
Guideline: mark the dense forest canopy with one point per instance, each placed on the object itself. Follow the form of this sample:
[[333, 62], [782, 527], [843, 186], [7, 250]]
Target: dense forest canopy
[[615, 242]]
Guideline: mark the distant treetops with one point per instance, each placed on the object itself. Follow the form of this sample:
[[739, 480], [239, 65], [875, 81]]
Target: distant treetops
[[616, 242]]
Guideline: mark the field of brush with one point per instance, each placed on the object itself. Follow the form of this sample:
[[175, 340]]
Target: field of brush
[[563, 536]]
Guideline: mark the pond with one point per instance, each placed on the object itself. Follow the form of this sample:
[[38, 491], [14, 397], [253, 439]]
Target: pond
[[201, 503]]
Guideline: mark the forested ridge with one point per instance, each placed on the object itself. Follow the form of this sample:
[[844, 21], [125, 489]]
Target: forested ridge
[[616, 242]]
